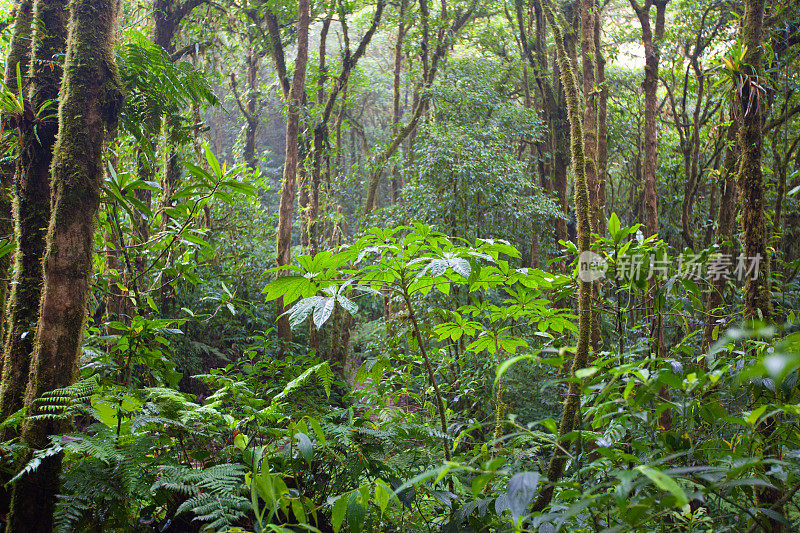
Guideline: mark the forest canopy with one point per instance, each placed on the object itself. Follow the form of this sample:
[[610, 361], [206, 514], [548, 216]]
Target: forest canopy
[[419, 265]]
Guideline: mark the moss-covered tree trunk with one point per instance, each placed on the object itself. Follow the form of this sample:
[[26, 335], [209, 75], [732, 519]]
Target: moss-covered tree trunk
[[18, 54], [289, 184], [590, 101], [89, 103], [31, 202], [572, 403], [602, 126], [751, 105]]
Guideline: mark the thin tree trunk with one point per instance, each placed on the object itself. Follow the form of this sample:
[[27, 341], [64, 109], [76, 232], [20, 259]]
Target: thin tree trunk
[[590, 97], [248, 105], [430, 64], [32, 205], [90, 99], [651, 43], [397, 179], [558, 460], [289, 186], [320, 150], [602, 128]]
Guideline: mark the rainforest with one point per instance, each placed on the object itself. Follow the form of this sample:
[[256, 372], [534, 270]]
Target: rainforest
[[425, 266]]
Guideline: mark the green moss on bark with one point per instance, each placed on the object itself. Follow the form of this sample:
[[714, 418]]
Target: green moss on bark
[[18, 53], [572, 402], [90, 98], [31, 203], [751, 102]]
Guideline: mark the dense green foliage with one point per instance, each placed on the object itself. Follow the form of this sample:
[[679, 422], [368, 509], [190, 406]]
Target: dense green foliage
[[433, 338]]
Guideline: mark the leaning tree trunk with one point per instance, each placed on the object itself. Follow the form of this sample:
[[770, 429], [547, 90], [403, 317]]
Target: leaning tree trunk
[[572, 403], [90, 99], [18, 54], [289, 186], [32, 205], [751, 105]]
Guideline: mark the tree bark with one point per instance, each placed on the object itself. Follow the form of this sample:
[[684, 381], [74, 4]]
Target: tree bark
[[18, 54], [602, 127], [590, 100], [652, 54], [32, 204], [726, 219], [558, 460], [289, 185], [652, 43], [751, 104], [89, 103]]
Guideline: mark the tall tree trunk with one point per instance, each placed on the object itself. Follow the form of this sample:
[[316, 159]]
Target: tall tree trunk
[[397, 179], [18, 54], [726, 220], [32, 204], [289, 185], [602, 127], [751, 105], [590, 100], [248, 105], [554, 108], [90, 99], [590, 103], [320, 150], [572, 403], [252, 107], [652, 42]]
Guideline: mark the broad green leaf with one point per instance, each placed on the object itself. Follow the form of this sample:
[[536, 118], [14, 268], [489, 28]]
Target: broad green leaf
[[521, 490], [337, 514], [504, 366], [664, 482], [305, 447], [382, 493], [614, 227]]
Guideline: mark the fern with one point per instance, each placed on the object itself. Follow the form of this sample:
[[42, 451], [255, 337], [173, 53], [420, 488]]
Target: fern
[[66, 402], [36, 461], [106, 479], [215, 493], [323, 372]]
